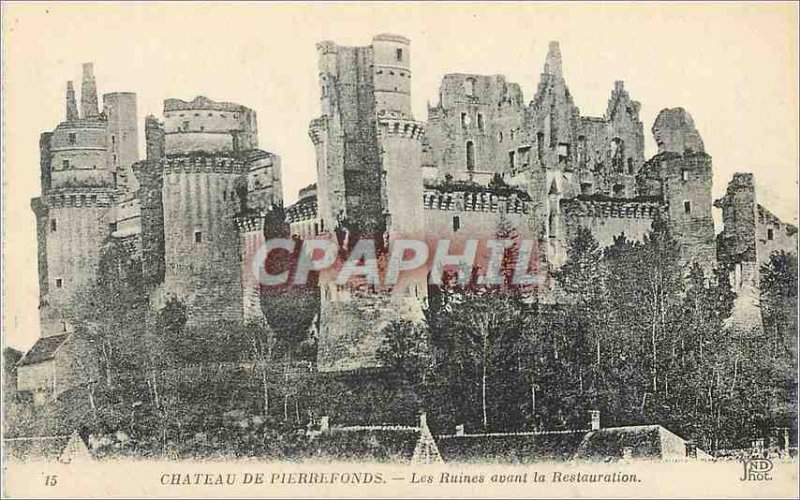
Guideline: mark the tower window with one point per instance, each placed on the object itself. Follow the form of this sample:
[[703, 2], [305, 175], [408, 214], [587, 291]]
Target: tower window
[[684, 175], [198, 236], [540, 147], [112, 226], [469, 87], [54, 226], [563, 152], [512, 159], [398, 54], [185, 125], [72, 139], [65, 164], [59, 283], [500, 136], [770, 234], [480, 122], [470, 156], [687, 207], [463, 119], [586, 188], [456, 223], [630, 166], [619, 190]]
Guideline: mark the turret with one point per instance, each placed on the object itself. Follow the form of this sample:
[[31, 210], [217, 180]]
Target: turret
[[72, 106], [392, 75], [89, 93]]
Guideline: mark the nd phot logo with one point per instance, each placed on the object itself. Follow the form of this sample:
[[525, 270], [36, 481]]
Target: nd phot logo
[[757, 469]]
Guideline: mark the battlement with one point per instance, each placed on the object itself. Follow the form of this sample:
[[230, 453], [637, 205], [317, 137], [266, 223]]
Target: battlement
[[86, 197], [249, 222], [626, 209], [204, 164], [402, 127], [317, 130], [303, 210], [476, 202]]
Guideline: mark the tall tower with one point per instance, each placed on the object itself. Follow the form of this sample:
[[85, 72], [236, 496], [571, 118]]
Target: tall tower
[[209, 157], [74, 212], [681, 174], [369, 186]]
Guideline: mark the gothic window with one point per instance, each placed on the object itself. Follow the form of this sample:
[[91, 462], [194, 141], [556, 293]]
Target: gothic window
[[456, 223], [72, 139], [551, 225], [469, 87], [54, 226], [617, 154], [470, 156], [687, 207], [398, 54]]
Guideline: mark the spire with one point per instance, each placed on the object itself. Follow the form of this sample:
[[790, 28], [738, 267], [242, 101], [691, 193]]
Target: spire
[[72, 106], [89, 92], [552, 65]]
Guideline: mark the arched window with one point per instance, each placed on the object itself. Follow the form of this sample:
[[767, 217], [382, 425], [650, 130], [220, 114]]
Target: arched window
[[470, 156]]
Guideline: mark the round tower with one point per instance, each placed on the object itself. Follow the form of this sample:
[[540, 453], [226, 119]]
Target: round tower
[[200, 195], [392, 77]]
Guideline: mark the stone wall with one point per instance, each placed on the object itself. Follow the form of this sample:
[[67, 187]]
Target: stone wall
[[201, 242]]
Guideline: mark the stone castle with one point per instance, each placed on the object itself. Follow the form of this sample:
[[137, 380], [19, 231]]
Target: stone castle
[[195, 208]]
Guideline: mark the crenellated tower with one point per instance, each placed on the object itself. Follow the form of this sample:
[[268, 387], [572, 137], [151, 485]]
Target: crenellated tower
[[80, 162]]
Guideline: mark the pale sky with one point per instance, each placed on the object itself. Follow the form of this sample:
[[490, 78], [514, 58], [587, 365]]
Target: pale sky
[[734, 67]]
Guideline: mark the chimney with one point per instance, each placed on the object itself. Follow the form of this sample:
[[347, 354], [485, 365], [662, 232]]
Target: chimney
[[552, 65], [595, 419], [460, 430], [72, 105], [324, 424], [89, 93]]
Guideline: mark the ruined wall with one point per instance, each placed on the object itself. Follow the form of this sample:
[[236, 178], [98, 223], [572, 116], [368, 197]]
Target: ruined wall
[[736, 249], [773, 235], [205, 125], [475, 127], [608, 219]]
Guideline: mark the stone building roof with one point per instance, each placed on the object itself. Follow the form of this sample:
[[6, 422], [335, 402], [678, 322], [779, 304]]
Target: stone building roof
[[44, 349], [612, 443]]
